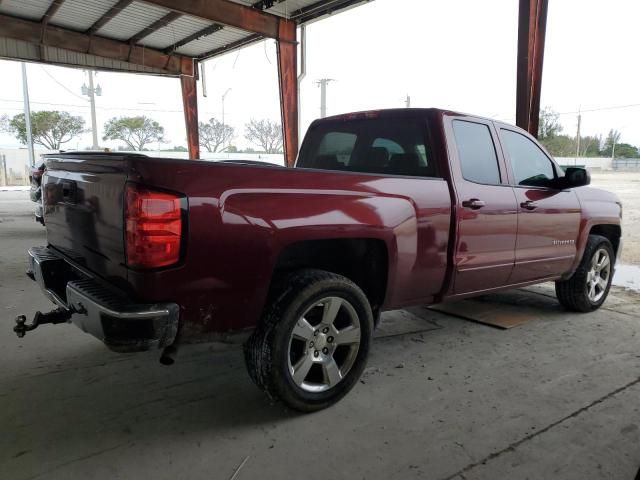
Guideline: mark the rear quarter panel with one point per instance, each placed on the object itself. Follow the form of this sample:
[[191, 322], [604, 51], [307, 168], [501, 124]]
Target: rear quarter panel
[[242, 218]]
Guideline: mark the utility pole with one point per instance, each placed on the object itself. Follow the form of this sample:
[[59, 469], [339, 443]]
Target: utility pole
[[27, 115], [613, 149], [578, 136], [408, 101], [91, 92], [323, 95], [223, 97]]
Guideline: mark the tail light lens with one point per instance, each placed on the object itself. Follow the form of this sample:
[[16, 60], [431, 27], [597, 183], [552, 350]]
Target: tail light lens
[[153, 227]]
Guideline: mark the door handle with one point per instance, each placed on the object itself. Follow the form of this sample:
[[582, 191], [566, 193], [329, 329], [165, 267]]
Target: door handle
[[69, 190], [473, 203], [529, 205]]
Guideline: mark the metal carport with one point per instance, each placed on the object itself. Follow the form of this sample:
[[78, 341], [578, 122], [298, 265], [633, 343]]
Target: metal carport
[[170, 37]]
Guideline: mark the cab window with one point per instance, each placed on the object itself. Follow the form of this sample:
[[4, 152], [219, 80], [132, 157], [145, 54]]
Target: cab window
[[386, 146], [531, 167], [476, 152]]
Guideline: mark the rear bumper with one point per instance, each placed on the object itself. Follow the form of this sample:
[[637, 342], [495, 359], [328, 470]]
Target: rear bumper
[[101, 310]]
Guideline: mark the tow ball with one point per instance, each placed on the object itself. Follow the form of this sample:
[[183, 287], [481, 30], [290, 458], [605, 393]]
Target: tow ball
[[57, 315]]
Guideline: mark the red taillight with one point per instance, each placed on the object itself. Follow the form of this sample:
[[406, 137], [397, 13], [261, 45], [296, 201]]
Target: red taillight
[[153, 228]]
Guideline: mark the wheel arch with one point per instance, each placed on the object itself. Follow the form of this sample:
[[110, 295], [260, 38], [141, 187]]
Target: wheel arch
[[611, 232], [363, 260]]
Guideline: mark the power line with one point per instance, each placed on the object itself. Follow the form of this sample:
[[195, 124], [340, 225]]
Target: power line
[[85, 107], [63, 86], [600, 109]]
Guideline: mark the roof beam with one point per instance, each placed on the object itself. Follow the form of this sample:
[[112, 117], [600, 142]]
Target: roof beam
[[194, 36], [321, 8], [51, 11], [110, 14], [44, 22], [209, 30], [230, 13], [154, 27], [31, 32]]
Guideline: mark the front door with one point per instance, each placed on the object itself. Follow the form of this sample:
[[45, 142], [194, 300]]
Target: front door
[[548, 218], [486, 210]]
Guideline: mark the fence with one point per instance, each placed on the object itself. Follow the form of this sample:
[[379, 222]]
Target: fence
[[626, 164], [13, 175], [592, 163]]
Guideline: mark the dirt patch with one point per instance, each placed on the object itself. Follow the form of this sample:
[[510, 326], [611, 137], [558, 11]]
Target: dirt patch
[[627, 186]]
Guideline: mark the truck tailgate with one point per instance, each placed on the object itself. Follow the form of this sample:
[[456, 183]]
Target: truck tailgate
[[83, 202]]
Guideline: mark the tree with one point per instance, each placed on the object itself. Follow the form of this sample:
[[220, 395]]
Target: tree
[[266, 134], [136, 132], [560, 145], [214, 134], [625, 150], [177, 148], [590, 146], [549, 126], [48, 128], [613, 138]]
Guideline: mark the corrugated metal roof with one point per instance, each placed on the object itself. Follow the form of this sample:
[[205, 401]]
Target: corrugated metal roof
[[133, 19], [214, 41], [175, 31], [30, 9], [285, 9], [81, 14]]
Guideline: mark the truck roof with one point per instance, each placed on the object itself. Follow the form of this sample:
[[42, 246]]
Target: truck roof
[[404, 112]]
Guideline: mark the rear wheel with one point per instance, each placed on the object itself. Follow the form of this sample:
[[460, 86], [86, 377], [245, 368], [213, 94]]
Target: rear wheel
[[589, 286], [312, 344]]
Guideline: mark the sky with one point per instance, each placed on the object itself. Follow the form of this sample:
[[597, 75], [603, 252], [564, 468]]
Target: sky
[[456, 54]]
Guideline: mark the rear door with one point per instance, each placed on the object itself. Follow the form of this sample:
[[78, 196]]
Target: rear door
[[486, 207], [548, 218]]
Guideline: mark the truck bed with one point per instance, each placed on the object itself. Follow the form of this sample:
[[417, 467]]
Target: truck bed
[[240, 218]]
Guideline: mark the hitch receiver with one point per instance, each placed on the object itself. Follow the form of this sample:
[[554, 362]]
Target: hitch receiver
[[57, 315]]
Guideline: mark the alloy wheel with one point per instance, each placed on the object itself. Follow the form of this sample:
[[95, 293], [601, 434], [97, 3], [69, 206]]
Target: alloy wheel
[[598, 275], [324, 344]]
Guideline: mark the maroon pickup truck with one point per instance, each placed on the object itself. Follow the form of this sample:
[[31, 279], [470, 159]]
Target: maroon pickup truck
[[383, 210]]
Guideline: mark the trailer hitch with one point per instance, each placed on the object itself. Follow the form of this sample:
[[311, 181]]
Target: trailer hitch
[[55, 316]]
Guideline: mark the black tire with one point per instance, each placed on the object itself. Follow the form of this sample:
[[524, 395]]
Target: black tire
[[573, 293], [267, 351]]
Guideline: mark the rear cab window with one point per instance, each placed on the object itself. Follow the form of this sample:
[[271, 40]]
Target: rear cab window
[[476, 152], [386, 146]]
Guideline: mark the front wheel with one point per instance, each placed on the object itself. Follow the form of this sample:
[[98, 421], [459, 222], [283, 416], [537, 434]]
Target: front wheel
[[589, 286], [312, 344]]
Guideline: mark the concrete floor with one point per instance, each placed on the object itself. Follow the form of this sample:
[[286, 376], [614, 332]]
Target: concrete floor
[[554, 398]]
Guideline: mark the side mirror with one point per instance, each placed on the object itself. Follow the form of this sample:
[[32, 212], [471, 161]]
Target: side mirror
[[574, 177]]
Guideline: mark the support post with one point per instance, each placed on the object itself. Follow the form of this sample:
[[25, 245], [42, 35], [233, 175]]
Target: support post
[[288, 83], [532, 25], [190, 107]]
